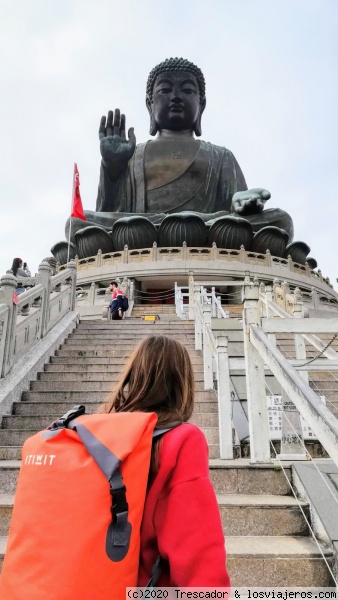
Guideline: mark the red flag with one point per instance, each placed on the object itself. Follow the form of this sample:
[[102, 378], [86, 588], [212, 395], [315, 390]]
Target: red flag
[[77, 210]]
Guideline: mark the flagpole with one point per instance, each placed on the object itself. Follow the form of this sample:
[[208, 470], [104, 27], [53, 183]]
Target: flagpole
[[70, 219]]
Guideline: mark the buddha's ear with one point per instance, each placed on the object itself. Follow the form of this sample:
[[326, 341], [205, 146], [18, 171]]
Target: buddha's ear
[[153, 127], [198, 124]]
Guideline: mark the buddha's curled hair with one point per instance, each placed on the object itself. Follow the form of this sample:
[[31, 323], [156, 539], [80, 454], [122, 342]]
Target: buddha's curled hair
[[176, 64]]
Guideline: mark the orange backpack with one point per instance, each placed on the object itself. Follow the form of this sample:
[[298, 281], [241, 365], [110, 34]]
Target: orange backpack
[[75, 531]]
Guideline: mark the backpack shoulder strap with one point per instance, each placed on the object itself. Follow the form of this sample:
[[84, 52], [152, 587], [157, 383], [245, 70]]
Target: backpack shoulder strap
[[162, 430]]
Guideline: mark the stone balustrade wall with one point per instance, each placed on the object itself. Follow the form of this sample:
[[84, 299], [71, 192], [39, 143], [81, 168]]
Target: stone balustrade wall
[[28, 317], [157, 254]]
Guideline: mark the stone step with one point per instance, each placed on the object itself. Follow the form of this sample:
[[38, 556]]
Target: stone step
[[130, 340], [99, 396], [330, 395], [323, 375], [276, 561], [94, 361], [130, 320], [163, 310], [38, 421], [240, 514], [324, 385], [241, 477], [123, 344], [9, 471], [239, 383], [158, 305], [95, 369], [262, 515], [17, 437], [80, 385], [228, 477], [48, 408], [137, 324], [6, 508], [93, 321], [10, 453], [119, 357], [85, 375], [3, 542], [130, 333], [15, 452]]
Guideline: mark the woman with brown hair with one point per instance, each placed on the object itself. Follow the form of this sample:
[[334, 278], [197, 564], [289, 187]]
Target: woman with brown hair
[[181, 521]]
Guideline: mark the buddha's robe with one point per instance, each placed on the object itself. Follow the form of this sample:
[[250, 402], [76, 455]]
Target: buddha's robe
[[205, 186]]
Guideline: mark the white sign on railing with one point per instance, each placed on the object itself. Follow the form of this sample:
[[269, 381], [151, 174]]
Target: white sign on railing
[[275, 410]]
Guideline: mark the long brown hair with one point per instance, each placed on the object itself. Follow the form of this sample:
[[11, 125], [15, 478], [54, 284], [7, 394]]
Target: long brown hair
[[157, 378]]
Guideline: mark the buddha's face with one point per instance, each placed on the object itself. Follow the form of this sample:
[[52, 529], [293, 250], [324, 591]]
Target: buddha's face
[[176, 101]]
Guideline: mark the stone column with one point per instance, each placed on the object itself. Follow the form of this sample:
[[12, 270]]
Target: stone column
[[124, 286], [125, 254], [43, 277], [191, 296], [224, 398], [72, 266], [207, 353], [154, 252], [300, 344], [92, 294], [269, 311]]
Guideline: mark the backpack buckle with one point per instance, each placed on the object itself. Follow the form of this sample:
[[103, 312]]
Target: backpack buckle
[[119, 502], [63, 422]]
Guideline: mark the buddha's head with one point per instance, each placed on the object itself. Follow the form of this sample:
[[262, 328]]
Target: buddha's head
[[176, 96]]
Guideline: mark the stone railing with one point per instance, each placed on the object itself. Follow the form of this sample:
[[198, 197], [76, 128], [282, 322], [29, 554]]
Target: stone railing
[[157, 254], [261, 352], [28, 317], [258, 328], [215, 367], [182, 308]]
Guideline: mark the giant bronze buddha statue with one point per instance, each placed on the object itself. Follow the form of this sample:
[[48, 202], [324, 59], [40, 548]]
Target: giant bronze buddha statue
[[175, 187]]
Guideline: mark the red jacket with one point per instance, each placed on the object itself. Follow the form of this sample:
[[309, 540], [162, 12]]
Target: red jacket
[[116, 293], [181, 519]]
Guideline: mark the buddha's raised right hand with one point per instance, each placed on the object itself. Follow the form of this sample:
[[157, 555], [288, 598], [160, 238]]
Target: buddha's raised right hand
[[116, 150]]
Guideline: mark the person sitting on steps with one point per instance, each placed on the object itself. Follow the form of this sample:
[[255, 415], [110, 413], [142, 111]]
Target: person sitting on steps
[[116, 305]]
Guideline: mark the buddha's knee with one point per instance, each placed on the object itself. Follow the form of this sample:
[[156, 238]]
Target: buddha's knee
[[274, 217]]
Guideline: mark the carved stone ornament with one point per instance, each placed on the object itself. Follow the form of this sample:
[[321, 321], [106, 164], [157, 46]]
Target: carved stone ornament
[[183, 227], [92, 239], [270, 238], [231, 232], [135, 232], [312, 263], [60, 252], [298, 252]]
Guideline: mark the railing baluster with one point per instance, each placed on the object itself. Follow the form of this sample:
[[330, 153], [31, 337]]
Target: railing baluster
[[207, 352], [224, 398]]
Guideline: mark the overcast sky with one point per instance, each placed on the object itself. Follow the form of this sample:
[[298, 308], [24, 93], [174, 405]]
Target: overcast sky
[[272, 98]]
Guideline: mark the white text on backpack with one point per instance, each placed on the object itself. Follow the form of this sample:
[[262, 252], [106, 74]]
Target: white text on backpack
[[39, 459]]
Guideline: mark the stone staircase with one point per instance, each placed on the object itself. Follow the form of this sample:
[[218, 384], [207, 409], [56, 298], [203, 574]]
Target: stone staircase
[[266, 535], [163, 311], [234, 310]]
